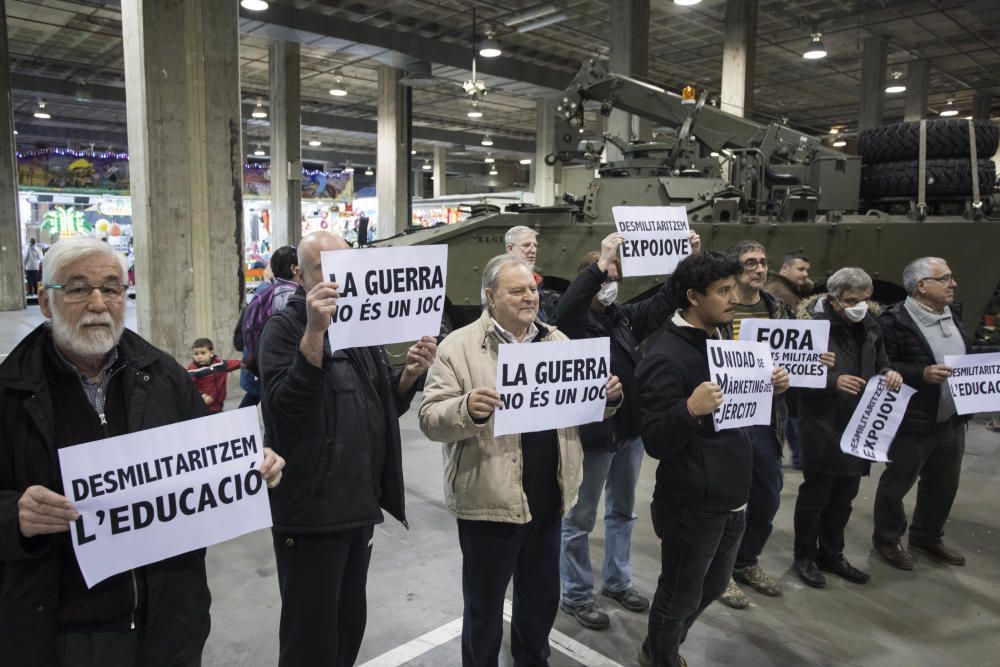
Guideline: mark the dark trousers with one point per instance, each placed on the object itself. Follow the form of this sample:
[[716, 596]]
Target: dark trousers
[[765, 494], [322, 579], [250, 398], [31, 278], [105, 649], [492, 553], [822, 510], [936, 458], [697, 552]]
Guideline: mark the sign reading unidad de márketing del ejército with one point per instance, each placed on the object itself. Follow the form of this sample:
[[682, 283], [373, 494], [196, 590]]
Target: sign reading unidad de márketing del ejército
[[551, 385], [153, 494], [657, 238], [387, 295], [743, 370]]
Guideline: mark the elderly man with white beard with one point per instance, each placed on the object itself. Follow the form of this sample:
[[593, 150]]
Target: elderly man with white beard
[[77, 378]]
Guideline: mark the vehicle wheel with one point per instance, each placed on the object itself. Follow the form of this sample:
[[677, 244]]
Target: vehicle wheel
[[946, 138], [945, 178]]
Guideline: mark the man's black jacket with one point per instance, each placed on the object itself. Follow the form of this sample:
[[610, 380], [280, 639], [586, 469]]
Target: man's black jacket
[[699, 468], [825, 413], [910, 354], [321, 428], [157, 392], [627, 325]]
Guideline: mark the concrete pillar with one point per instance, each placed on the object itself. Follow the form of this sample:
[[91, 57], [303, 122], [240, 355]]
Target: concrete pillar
[[186, 169], [629, 54], [739, 48], [286, 143], [11, 266], [393, 154], [440, 173], [982, 106], [917, 87], [417, 191], [545, 176], [873, 66]]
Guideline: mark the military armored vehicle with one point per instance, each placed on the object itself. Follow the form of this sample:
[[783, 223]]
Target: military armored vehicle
[[738, 179]]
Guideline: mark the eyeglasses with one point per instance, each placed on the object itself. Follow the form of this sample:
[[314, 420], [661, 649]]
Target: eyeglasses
[[944, 280], [80, 292], [751, 264]]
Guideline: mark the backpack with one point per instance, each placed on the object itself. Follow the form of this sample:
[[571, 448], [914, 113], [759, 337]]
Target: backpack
[[264, 304]]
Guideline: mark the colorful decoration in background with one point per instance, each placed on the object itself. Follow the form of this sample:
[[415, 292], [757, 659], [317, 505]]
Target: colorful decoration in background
[[316, 184], [67, 222]]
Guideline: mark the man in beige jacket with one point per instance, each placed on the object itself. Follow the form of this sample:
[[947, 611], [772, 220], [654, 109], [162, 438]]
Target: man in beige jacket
[[508, 492]]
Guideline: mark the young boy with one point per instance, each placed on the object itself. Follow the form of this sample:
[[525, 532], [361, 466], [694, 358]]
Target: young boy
[[209, 372]]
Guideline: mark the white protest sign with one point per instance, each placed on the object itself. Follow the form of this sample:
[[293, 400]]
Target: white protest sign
[[875, 421], [551, 385], [153, 494], [743, 369], [387, 295], [657, 238], [795, 346], [974, 382]]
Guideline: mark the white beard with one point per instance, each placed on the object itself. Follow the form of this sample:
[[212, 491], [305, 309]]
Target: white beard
[[86, 341]]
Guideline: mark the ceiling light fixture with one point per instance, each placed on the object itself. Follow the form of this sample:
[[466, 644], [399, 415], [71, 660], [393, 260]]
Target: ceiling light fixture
[[493, 171], [950, 111], [315, 142], [338, 89], [816, 48], [898, 83], [489, 159], [839, 143], [489, 47], [487, 141], [526, 161], [41, 113], [427, 165], [258, 111], [253, 5], [686, 3], [369, 172], [259, 152], [475, 111], [413, 152]]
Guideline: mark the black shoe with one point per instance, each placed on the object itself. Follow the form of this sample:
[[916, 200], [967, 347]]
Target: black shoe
[[808, 573], [840, 567], [628, 598], [587, 615]]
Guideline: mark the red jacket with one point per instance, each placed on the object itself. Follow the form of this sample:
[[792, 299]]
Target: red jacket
[[211, 379]]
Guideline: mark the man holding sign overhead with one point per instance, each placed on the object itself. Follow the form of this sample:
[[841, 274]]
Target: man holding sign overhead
[[703, 478], [509, 492], [336, 419]]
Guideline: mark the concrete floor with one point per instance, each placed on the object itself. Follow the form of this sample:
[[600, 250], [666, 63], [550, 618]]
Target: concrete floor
[[933, 616]]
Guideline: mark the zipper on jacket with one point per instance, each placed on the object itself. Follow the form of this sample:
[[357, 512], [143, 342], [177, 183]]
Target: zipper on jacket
[[135, 600], [101, 398]]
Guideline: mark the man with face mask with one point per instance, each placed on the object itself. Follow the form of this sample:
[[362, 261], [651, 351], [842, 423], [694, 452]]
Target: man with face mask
[[612, 449], [82, 377], [831, 478]]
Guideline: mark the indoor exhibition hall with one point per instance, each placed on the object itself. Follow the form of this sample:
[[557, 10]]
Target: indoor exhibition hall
[[521, 333]]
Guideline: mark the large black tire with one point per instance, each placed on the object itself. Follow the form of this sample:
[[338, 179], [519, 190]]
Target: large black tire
[[946, 138], [945, 178]]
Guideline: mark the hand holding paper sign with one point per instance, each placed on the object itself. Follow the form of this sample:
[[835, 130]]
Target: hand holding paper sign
[[828, 359], [695, 239], [41, 511], [609, 250], [482, 401], [270, 468], [850, 384], [893, 380], [937, 373], [705, 400], [321, 304], [613, 389], [779, 380], [419, 358]]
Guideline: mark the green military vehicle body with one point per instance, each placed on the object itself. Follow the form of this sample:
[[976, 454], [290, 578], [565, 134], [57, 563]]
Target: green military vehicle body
[[784, 189]]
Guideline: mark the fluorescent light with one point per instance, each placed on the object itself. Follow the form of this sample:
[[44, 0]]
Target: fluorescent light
[[839, 143], [948, 113], [258, 111], [427, 165], [489, 48], [475, 112], [530, 14], [489, 159], [544, 22], [493, 171], [526, 161], [895, 89], [369, 172], [253, 5], [41, 113], [816, 48], [315, 142], [686, 3], [713, 154], [259, 152], [897, 85], [338, 89], [487, 141]]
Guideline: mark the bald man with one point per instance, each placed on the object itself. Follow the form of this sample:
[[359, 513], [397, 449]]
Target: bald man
[[335, 417]]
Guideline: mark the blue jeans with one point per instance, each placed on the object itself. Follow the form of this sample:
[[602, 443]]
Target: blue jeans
[[765, 494], [617, 473]]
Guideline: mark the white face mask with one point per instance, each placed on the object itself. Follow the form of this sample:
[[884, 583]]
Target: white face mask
[[608, 293], [858, 312]]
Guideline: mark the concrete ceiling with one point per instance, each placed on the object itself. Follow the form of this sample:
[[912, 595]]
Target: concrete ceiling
[[69, 53]]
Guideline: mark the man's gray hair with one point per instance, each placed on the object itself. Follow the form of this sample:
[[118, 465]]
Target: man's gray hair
[[491, 273], [67, 252], [915, 271], [849, 278], [514, 233]]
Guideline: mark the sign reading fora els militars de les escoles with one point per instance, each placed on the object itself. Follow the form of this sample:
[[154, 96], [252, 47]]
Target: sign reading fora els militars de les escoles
[[551, 385], [150, 495], [743, 370], [795, 346], [387, 295], [657, 238]]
